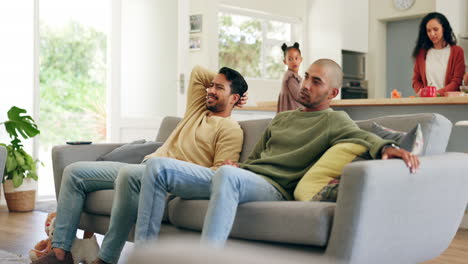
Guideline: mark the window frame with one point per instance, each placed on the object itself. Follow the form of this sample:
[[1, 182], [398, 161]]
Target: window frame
[[296, 26]]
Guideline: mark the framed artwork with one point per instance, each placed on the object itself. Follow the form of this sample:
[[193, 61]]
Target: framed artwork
[[194, 43], [196, 22]]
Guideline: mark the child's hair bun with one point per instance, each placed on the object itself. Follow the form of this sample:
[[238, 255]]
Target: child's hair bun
[[284, 47]]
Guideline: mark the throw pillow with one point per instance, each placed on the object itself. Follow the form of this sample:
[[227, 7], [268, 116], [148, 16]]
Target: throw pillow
[[326, 169], [329, 193], [132, 153], [411, 141]]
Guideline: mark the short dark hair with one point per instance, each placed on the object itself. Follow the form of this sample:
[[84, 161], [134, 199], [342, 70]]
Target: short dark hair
[[285, 48], [423, 41], [238, 84]]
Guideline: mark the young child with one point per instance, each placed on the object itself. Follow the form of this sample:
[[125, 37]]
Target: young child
[[291, 80]]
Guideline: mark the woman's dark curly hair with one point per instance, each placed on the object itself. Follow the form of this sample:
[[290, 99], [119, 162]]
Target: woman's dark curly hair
[[423, 41]]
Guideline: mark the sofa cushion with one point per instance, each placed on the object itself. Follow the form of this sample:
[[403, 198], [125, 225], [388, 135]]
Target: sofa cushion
[[327, 168], [132, 153], [100, 203], [411, 141], [168, 124], [435, 129], [289, 221]]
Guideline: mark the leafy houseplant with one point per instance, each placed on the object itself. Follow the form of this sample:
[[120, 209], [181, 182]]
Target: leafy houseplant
[[19, 164]]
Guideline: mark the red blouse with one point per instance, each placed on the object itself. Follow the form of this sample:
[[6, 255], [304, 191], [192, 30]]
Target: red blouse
[[453, 75]]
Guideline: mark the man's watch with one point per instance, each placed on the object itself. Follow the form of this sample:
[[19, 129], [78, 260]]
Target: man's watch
[[388, 146]]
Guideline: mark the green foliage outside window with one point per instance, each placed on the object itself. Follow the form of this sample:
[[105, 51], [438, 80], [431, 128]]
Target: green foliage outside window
[[72, 84], [242, 45], [240, 50]]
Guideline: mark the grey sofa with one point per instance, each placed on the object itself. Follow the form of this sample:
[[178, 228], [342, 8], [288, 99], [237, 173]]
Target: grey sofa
[[383, 214]]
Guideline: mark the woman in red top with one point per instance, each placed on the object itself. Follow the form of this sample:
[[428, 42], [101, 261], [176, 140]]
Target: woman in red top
[[438, 60]]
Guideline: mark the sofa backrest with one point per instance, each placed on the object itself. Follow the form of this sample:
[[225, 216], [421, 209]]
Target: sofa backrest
[[253, 130], [435, 128]]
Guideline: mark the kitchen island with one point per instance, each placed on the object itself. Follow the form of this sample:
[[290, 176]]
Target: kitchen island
[[453, 108]]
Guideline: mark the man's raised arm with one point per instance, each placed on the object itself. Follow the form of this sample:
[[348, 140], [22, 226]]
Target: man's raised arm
[[200, 79]]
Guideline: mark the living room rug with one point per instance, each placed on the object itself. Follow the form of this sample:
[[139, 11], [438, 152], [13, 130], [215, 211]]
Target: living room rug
[[11, 258], [48, 206]]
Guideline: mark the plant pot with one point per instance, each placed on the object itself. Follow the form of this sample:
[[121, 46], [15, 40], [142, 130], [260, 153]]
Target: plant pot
[[21, 199]]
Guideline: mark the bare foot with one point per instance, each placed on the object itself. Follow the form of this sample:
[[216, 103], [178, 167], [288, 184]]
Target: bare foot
[[59, 253]]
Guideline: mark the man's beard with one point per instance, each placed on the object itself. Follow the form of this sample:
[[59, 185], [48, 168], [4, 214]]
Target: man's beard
[[212, 108], [306, 101], [217, 107]]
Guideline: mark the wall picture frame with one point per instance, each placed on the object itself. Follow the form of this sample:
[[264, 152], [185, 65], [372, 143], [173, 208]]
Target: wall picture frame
[[196, 22], [195, 43]]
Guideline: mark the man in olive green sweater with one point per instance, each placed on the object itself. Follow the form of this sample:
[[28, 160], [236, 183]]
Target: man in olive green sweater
[[291, 144]]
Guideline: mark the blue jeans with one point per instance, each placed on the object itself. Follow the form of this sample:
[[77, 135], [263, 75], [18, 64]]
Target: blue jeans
[[226, 188], [78, 180]]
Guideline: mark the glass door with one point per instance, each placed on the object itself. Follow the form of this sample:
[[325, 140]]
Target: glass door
[[72, 77]]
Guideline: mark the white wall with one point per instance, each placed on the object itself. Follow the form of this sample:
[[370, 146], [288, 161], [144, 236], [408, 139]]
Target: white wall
[[464, 22], [17, 62], [17, 58], [207, 56], [355, 25], [144, 67], [453, 10], [325, 37], [325, 30], [149, 58]]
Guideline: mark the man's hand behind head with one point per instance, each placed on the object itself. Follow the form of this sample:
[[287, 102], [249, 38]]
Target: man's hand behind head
[[243, 100]]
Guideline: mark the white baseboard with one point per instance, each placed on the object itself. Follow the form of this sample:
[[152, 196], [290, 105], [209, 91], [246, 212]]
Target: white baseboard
[[464, 223]]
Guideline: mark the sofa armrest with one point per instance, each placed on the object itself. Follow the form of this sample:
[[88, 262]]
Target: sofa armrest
[[63, 155], [3, 156], [385, 214]]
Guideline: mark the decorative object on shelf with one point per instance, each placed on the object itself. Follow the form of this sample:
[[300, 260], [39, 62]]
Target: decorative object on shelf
[[395, 94], [195, 43], [403, 4], [20, 174], [196, 22]]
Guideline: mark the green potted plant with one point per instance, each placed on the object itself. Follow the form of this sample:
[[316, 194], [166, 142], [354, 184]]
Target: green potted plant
[[20, 175]]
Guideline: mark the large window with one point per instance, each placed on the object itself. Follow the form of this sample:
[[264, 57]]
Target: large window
[[251, 42], [72, 77]]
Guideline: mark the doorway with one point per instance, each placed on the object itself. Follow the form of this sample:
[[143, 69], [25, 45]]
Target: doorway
[[401, 39]]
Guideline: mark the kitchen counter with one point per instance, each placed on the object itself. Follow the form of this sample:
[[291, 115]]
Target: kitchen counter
[[461, 100], [453, 108]]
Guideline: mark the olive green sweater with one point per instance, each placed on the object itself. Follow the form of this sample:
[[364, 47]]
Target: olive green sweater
[[295, 140]]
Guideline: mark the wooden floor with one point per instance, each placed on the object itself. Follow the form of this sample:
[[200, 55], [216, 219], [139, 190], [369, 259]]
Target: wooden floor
[[20, 231]]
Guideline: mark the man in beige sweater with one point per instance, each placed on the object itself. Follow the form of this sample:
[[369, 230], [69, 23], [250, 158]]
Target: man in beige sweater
[[206, 136]]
